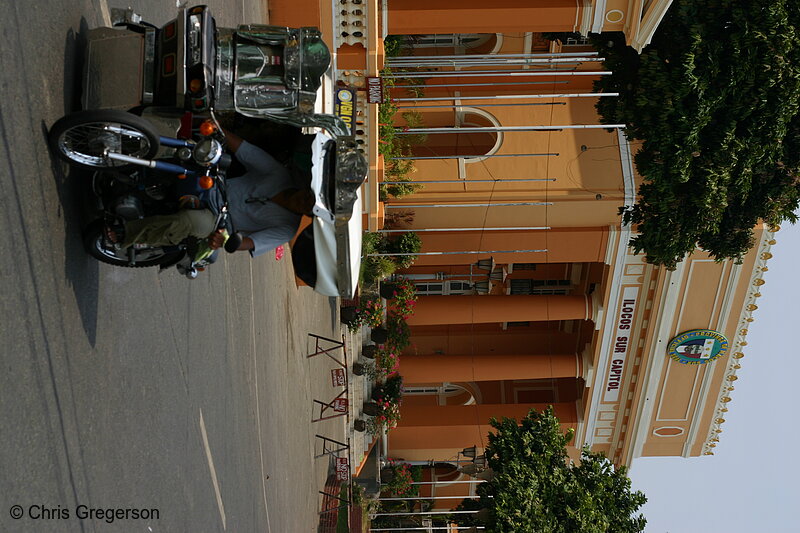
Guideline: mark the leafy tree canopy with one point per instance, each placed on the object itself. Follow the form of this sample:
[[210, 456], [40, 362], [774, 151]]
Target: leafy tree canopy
[[714, 101], [536, 488]]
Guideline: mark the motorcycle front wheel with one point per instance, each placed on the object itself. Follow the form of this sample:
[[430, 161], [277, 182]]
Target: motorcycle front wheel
[[85, 138], [97, 245]]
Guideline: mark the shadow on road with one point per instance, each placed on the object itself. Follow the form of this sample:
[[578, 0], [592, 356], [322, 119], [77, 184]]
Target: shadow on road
[[81, 271]]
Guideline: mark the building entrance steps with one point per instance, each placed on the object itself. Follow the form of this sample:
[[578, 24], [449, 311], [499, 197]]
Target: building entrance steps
[[359, 390]]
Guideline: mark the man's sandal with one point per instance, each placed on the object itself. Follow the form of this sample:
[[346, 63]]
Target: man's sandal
[[115, 232]]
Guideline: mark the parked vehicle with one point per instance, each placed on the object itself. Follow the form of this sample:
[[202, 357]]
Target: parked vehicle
[[190, 68]]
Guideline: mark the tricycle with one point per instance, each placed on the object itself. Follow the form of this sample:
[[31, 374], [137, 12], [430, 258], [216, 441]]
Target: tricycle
[[155, 98]]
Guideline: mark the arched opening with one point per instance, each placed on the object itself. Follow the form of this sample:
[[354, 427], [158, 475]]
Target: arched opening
[[446, 393], [470, 145]]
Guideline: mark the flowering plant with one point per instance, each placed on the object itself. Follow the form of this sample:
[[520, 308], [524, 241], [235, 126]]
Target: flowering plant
[[405, 298], [386, 364], [369, 313], [391, 389], [399, 333], [387, 418], [402, 476]]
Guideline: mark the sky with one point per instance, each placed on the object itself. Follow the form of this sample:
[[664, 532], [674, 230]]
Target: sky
[[752, 482]]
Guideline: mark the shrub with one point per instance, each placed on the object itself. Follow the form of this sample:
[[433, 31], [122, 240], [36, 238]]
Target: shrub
[[408, 242]]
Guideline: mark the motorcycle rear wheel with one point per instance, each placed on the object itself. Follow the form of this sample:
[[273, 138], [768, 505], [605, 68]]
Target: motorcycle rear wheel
[[84, 138], [96, 244]]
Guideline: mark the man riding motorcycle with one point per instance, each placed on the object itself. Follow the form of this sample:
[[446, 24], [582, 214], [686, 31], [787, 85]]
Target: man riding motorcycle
[[263, 203]]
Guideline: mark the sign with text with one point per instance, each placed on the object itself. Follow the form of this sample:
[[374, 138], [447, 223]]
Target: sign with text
[[374, 90], [621, 343], [342, 469], [345, 107], [340, 405], [338, 377]]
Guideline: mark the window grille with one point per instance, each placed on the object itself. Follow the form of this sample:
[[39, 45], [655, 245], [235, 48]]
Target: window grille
[[540, 286]]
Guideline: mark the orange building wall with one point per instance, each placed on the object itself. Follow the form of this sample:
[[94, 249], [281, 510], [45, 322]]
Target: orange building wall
[[477, 16], [295, 13], [454, 368], [559, 245]]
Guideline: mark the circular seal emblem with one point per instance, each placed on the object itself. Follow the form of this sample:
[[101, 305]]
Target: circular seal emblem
[[697, 346], [345, 95]]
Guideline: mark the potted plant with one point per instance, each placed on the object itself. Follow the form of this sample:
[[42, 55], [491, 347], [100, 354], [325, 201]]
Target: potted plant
[[369, 351], [359, 369], [348, 314], [368, 313], [379, 335], [388, 290], [386, 417], [371, 409]]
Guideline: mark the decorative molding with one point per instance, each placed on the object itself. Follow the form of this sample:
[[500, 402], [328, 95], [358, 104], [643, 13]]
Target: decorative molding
[[680, 431], [350, 23], [615, 12], [651, 374], [692, 395], [738, 342]]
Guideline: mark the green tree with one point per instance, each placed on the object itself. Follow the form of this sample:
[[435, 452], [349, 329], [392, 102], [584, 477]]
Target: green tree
[[537, 488], [714, 101]]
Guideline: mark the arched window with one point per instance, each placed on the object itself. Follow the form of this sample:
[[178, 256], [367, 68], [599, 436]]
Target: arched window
[[473, 146], [446, 393]]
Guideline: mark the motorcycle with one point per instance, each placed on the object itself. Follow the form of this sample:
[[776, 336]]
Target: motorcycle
[[137, 172]]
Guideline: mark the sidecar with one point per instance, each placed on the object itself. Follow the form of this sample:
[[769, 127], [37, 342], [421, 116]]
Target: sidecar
[[190, 63]]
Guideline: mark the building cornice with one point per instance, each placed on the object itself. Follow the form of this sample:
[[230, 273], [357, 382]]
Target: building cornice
[[739, 341]]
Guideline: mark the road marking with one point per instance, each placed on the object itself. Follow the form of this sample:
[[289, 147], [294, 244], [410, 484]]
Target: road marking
[[212, 469], [104, 11], [255, 379]]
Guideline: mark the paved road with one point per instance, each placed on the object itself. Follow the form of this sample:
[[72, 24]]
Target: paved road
[[129, 388]]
